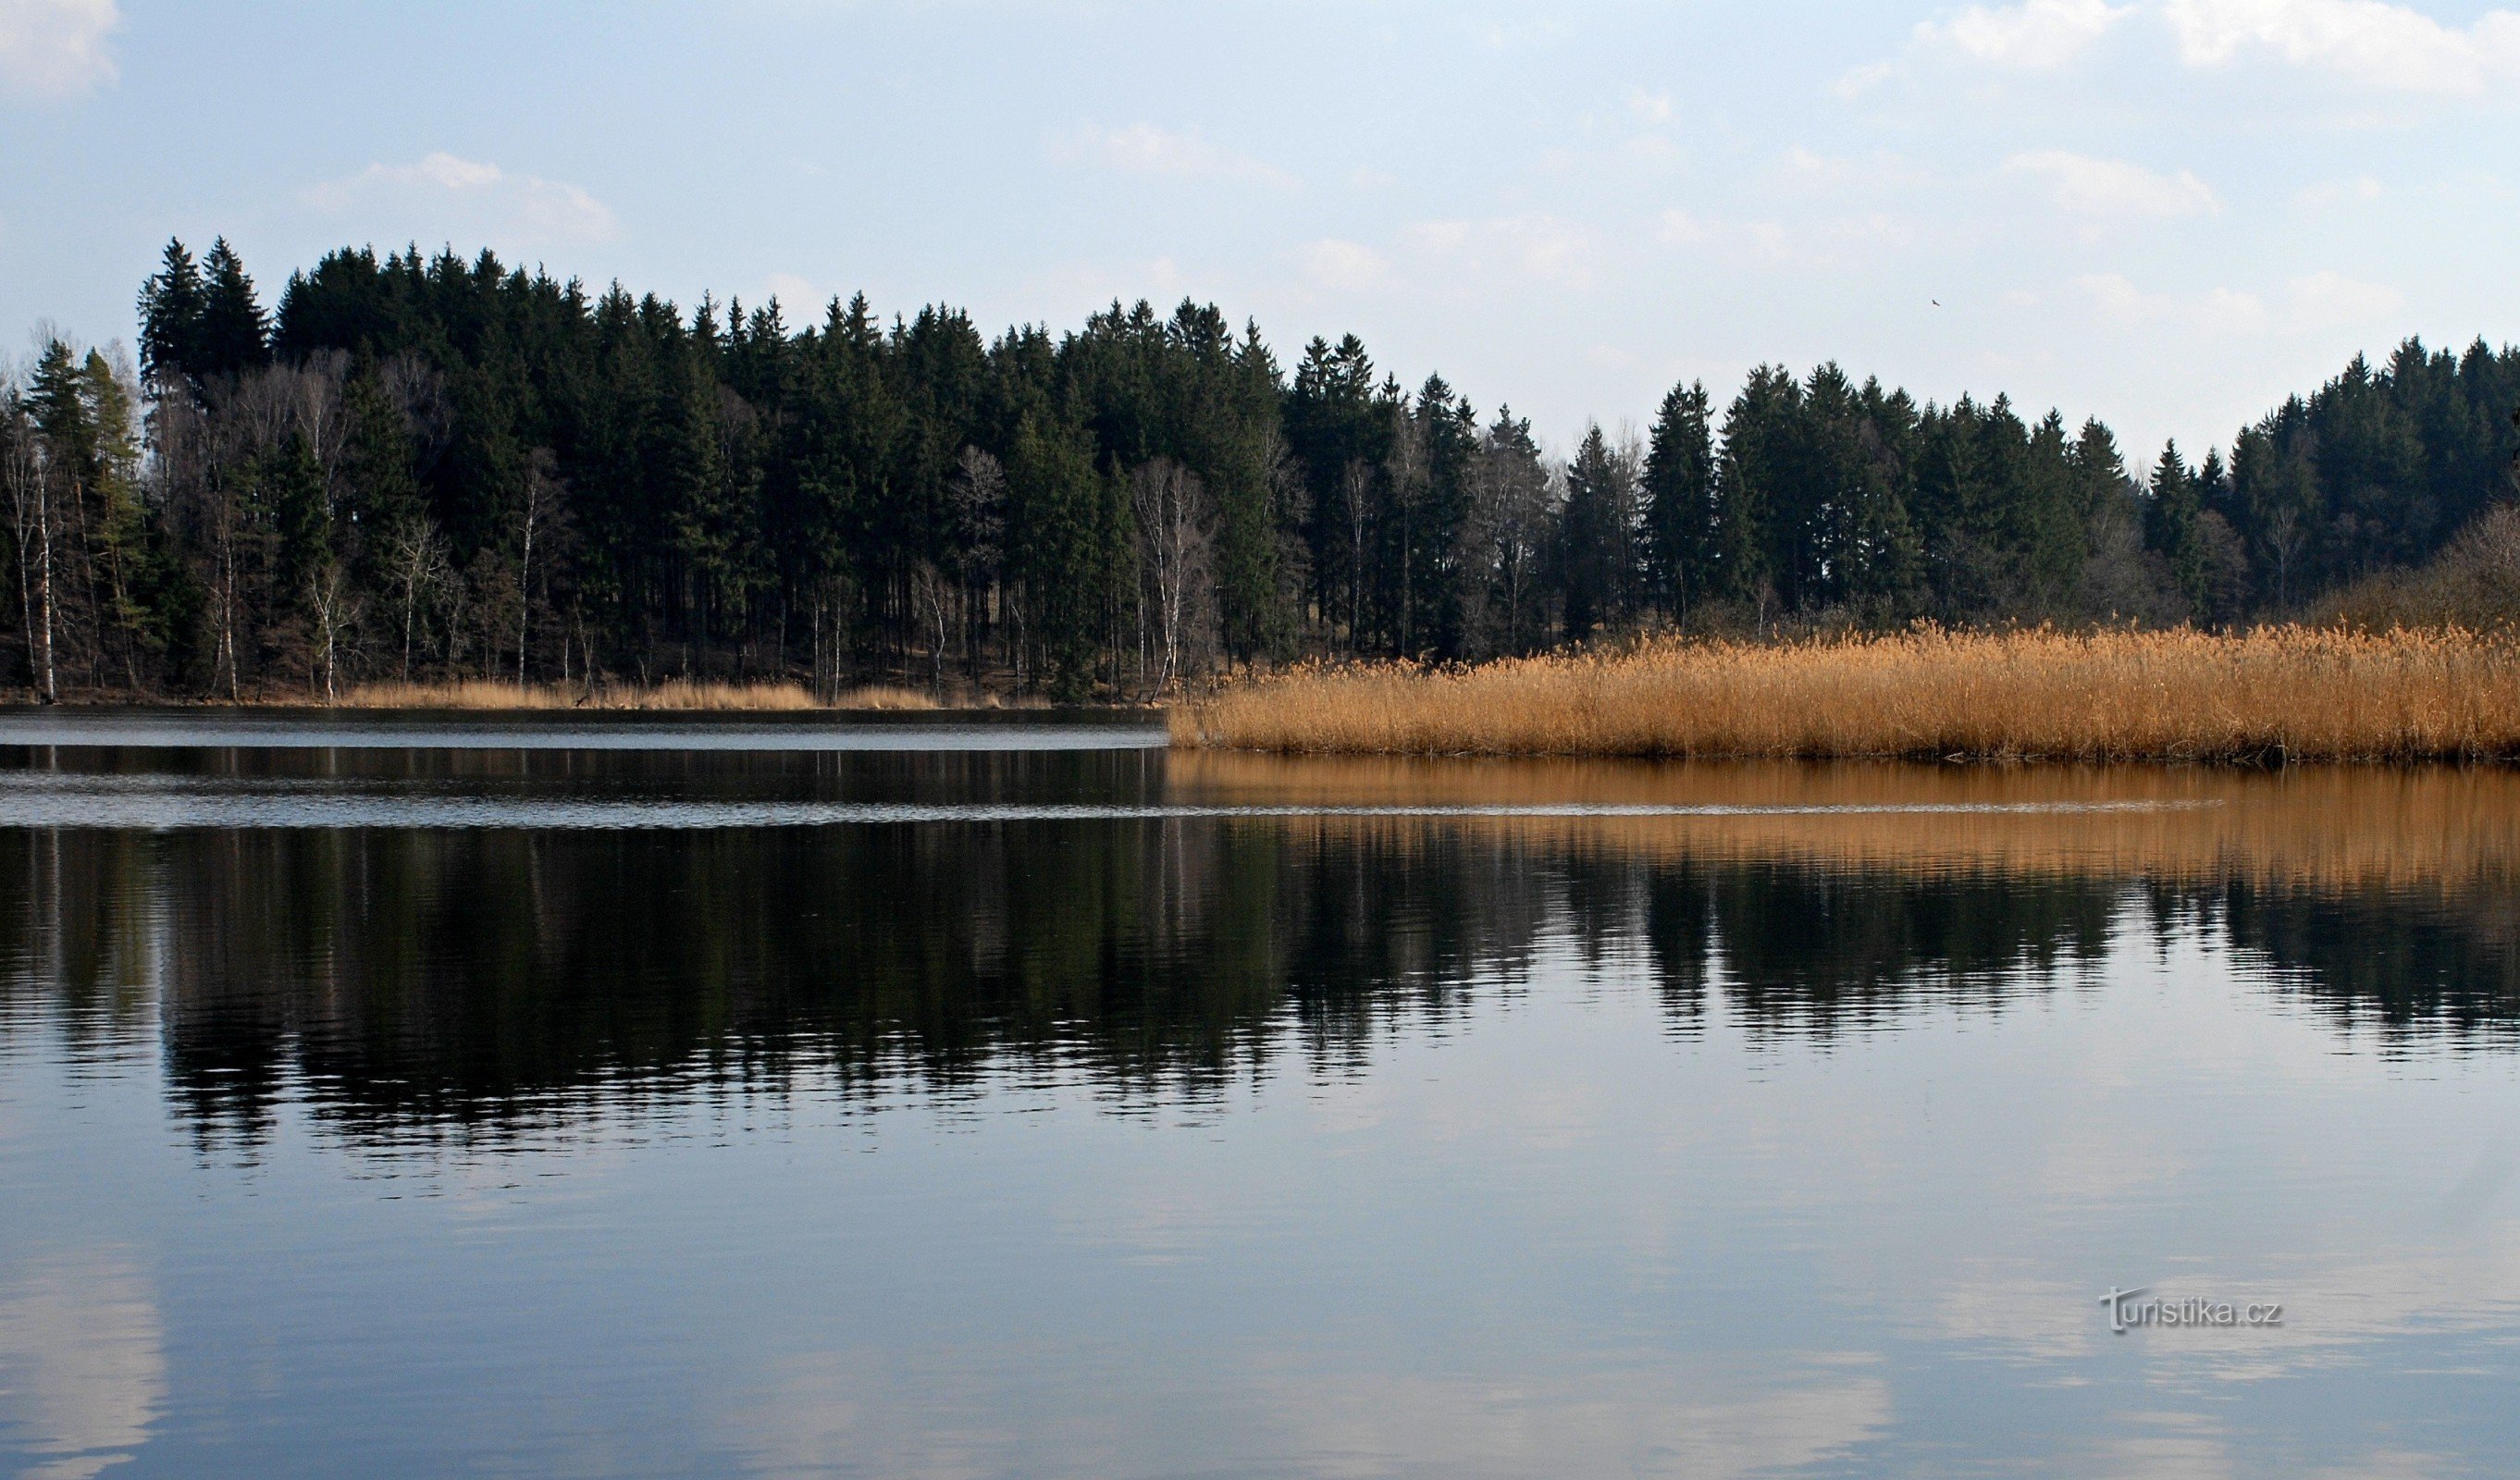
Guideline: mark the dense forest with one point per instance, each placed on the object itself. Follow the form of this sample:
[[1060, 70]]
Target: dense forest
[[422, 467]]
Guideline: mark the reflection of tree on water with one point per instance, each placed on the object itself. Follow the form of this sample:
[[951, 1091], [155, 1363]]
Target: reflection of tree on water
[[406, 979], [1804, 947], [2432, 959]]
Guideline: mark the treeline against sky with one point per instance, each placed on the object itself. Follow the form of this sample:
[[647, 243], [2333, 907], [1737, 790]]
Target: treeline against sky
[[431, 468]]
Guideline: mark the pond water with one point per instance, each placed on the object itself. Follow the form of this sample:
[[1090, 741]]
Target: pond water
[[966, 1098]]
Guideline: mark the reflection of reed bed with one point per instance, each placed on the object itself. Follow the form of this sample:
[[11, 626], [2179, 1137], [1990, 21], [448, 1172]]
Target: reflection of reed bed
[[2322, 827], [673, 695], [2275, 693]]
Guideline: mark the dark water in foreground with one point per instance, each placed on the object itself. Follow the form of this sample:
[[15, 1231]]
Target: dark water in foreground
[[758, 1109]]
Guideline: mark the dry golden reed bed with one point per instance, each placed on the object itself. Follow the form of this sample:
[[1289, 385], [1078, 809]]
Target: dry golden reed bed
[[2299, 693], [673, 693]]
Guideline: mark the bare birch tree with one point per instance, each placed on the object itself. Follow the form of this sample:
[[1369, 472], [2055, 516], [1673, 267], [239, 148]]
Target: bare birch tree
[[543, 490], [1175, 534], [416, 564], [978, 492], [1356, 492], [334, 604], [30, 497], [932, 607]]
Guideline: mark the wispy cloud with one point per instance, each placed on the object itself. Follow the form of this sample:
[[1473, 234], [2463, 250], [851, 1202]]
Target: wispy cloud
[[2389, 46], [1821, 242], [2218, 310], [1545, 247], [1650, 107], [1342, 267], [1486, 254], [2332, 299], [1142, 148], [2114, 189], [2310, 302], [2327, 195], [52, 50], [2373, 42], [1678, 228], [2034, 37], [443, 194], [1874, 172]]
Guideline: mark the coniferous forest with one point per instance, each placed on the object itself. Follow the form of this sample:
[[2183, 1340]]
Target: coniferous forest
[[427, 468]]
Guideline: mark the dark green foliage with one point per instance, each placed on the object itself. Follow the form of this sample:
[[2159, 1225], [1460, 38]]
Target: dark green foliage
[[1679, 500], [232, 334], [1598, 567], [171, 303], [2377, 470]]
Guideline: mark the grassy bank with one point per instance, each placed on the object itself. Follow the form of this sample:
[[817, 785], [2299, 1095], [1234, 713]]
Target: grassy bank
[[2276, 694], [674, 693]]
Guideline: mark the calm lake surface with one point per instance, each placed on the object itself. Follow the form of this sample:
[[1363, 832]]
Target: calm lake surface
[[752, 1097]]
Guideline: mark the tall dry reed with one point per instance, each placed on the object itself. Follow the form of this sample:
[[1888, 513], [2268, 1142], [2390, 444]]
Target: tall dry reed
[[2280, 693]]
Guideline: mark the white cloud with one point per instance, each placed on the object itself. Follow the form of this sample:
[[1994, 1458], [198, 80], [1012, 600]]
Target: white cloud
[[2037, 35], [2034, 37], [54, 48], [1863, 79], [1142, 148], [797, 295], [1828, 242], [442, 196], [2313, 301], [1650, 107], [2384, 45], [2114, 188], [1345, 266], [1678, 228], [2332, 300], [1541, 246], [2220, 311], [1878, 170], [2329, 194]]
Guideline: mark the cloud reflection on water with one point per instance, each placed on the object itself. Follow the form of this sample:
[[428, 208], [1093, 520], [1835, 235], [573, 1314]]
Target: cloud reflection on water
[[82, 1361]]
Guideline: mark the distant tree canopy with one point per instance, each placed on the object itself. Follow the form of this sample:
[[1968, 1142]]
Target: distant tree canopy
[[428, 466]]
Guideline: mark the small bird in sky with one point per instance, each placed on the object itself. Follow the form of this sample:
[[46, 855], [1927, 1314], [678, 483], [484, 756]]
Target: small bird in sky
[[1937, 302]]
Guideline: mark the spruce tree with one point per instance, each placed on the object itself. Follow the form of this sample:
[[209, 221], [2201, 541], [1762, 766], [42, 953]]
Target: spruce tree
[[1679, 493], [1591, 539], [233, 332], [173, 301]]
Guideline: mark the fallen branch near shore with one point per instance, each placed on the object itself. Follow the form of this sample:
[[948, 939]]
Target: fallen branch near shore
[[2265, 696]]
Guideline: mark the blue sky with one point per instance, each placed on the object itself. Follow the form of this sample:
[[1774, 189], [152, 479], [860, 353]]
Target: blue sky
[[2168, 213]]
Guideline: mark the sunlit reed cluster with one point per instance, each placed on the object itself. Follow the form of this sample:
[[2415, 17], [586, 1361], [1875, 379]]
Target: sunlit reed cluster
[[2270, 695]]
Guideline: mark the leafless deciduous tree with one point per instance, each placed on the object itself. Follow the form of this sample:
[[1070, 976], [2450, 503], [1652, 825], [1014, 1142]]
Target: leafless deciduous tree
[[335, 604], [1175, 540], [977, 491], [543, 492], [416, 564], [931, 599], [31, 508], [1511, 497], [1355, 493]]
